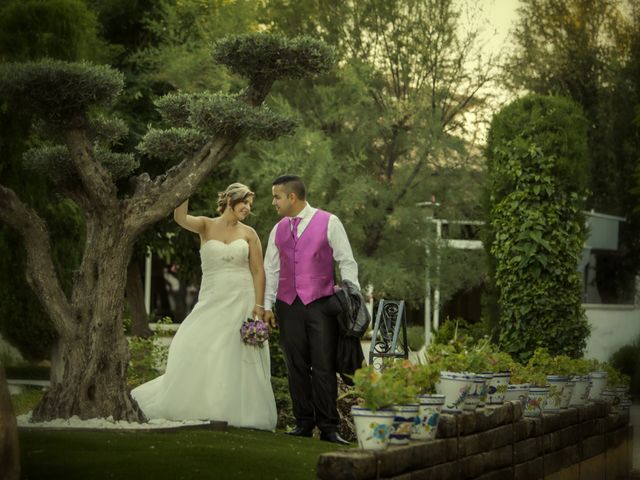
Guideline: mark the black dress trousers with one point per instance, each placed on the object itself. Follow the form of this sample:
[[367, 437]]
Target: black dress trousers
[[309, 337]]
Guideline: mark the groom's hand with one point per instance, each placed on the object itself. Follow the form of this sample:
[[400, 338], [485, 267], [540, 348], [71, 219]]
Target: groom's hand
[[270, 318]]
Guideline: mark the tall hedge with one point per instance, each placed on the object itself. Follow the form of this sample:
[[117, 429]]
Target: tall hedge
[[538, 162]]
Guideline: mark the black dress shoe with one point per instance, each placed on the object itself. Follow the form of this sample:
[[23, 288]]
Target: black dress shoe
[[333, 437], [300, 432]]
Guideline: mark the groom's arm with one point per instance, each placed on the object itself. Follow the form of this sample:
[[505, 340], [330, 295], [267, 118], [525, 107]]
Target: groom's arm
[[272, 271], [342, 252]]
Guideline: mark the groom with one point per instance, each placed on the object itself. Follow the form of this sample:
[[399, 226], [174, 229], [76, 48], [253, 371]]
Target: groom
[[299, 280]]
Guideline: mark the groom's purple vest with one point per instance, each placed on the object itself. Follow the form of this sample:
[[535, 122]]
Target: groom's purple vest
[[306, 265]]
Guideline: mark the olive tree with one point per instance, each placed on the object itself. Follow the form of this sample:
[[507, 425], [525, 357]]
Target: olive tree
[[89, 362]]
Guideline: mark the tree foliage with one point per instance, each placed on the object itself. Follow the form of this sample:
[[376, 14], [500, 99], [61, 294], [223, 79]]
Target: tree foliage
[[385, 130], [537, 159], [29, 30], [588, 50]]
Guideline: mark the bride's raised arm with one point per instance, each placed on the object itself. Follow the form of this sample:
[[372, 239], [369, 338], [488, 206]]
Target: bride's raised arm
[[189, 222]]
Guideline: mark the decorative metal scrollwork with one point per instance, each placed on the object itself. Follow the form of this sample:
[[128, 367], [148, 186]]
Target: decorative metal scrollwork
[[389, 338]]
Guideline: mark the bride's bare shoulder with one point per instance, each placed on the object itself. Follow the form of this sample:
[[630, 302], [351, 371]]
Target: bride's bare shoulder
[[248, 232]]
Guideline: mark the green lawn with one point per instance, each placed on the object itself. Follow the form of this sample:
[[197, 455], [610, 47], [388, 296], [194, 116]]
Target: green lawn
[[183, 454], [188, 455]]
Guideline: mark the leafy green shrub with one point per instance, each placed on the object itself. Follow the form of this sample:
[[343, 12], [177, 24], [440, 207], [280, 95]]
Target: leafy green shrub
[[146, 355], [280, 387], [26, 400], [451, 329], [627, 360], [278, 366], [537, 164]]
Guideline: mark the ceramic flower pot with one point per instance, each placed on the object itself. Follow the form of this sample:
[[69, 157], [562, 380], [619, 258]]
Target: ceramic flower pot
[[497, 387], [567, 394], [372, 428], [536, 401], [405, 416], [598, 383], [625, 405], [610, 396], [455, 387], [426, 427], [623, 392], [484, 393], [557, 384], [580, 391], [475, 391], [517, 392]]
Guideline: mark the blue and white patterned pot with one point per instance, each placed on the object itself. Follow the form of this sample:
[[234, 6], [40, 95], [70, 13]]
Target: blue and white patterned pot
[[426, 426], [598, 384], [536, 401], [484, 393], [455, 387], [497, 387], [580, 391], [517, 392], [372, 428], [557, 384], [403, 421]]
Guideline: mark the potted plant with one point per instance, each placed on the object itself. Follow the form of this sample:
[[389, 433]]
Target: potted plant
[[581, 369], [499, 367], [477, 364], [544, 362], [406, 407], [565, 366], [455, 382], [518, 388], [616, 388], [598, 379], [373, 416], [425, 378], [538, 389]]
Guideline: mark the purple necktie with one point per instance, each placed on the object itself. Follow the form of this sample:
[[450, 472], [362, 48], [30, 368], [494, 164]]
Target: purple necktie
[[295, 221]]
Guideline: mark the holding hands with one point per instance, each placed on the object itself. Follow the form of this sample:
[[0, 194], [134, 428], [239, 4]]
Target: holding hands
[[270, 319]]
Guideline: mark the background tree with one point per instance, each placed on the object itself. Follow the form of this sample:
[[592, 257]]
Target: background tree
[[538, 165], [88, 369], [588, 50], [30, 29], [345, 129], [390, 120]]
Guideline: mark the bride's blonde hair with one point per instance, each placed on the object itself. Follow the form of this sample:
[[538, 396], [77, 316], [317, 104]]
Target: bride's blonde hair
[[237, 192]]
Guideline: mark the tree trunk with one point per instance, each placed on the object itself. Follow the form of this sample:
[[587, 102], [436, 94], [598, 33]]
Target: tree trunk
[[135, 298], [9, 451], [90, 365]]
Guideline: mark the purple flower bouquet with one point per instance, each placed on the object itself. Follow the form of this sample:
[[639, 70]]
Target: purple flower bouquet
[[254, 332]]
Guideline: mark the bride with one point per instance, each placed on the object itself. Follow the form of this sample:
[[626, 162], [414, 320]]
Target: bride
[[211, 374]]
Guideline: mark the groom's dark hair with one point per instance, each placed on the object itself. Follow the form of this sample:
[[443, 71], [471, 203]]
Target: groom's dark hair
[[292, 184]]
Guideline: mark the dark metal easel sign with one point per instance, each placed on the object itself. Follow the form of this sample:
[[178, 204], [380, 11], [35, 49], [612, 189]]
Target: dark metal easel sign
[[389, 338]]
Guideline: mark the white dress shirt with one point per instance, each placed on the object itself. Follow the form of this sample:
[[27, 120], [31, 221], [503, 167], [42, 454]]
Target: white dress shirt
[[338, 242]]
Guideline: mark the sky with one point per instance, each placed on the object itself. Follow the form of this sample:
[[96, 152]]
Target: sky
[[499, 14]]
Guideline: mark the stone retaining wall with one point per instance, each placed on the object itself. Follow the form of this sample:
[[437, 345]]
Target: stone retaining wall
[[498, 443]]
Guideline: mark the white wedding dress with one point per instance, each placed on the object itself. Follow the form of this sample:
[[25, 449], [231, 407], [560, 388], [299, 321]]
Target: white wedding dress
[[211, 374]]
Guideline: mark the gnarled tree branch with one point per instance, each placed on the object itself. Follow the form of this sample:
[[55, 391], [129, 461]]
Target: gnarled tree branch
[[97, 181], [41, 273], [152, 199]]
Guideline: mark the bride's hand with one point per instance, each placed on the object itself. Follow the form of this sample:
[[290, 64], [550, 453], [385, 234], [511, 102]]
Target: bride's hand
[[258, 312]]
